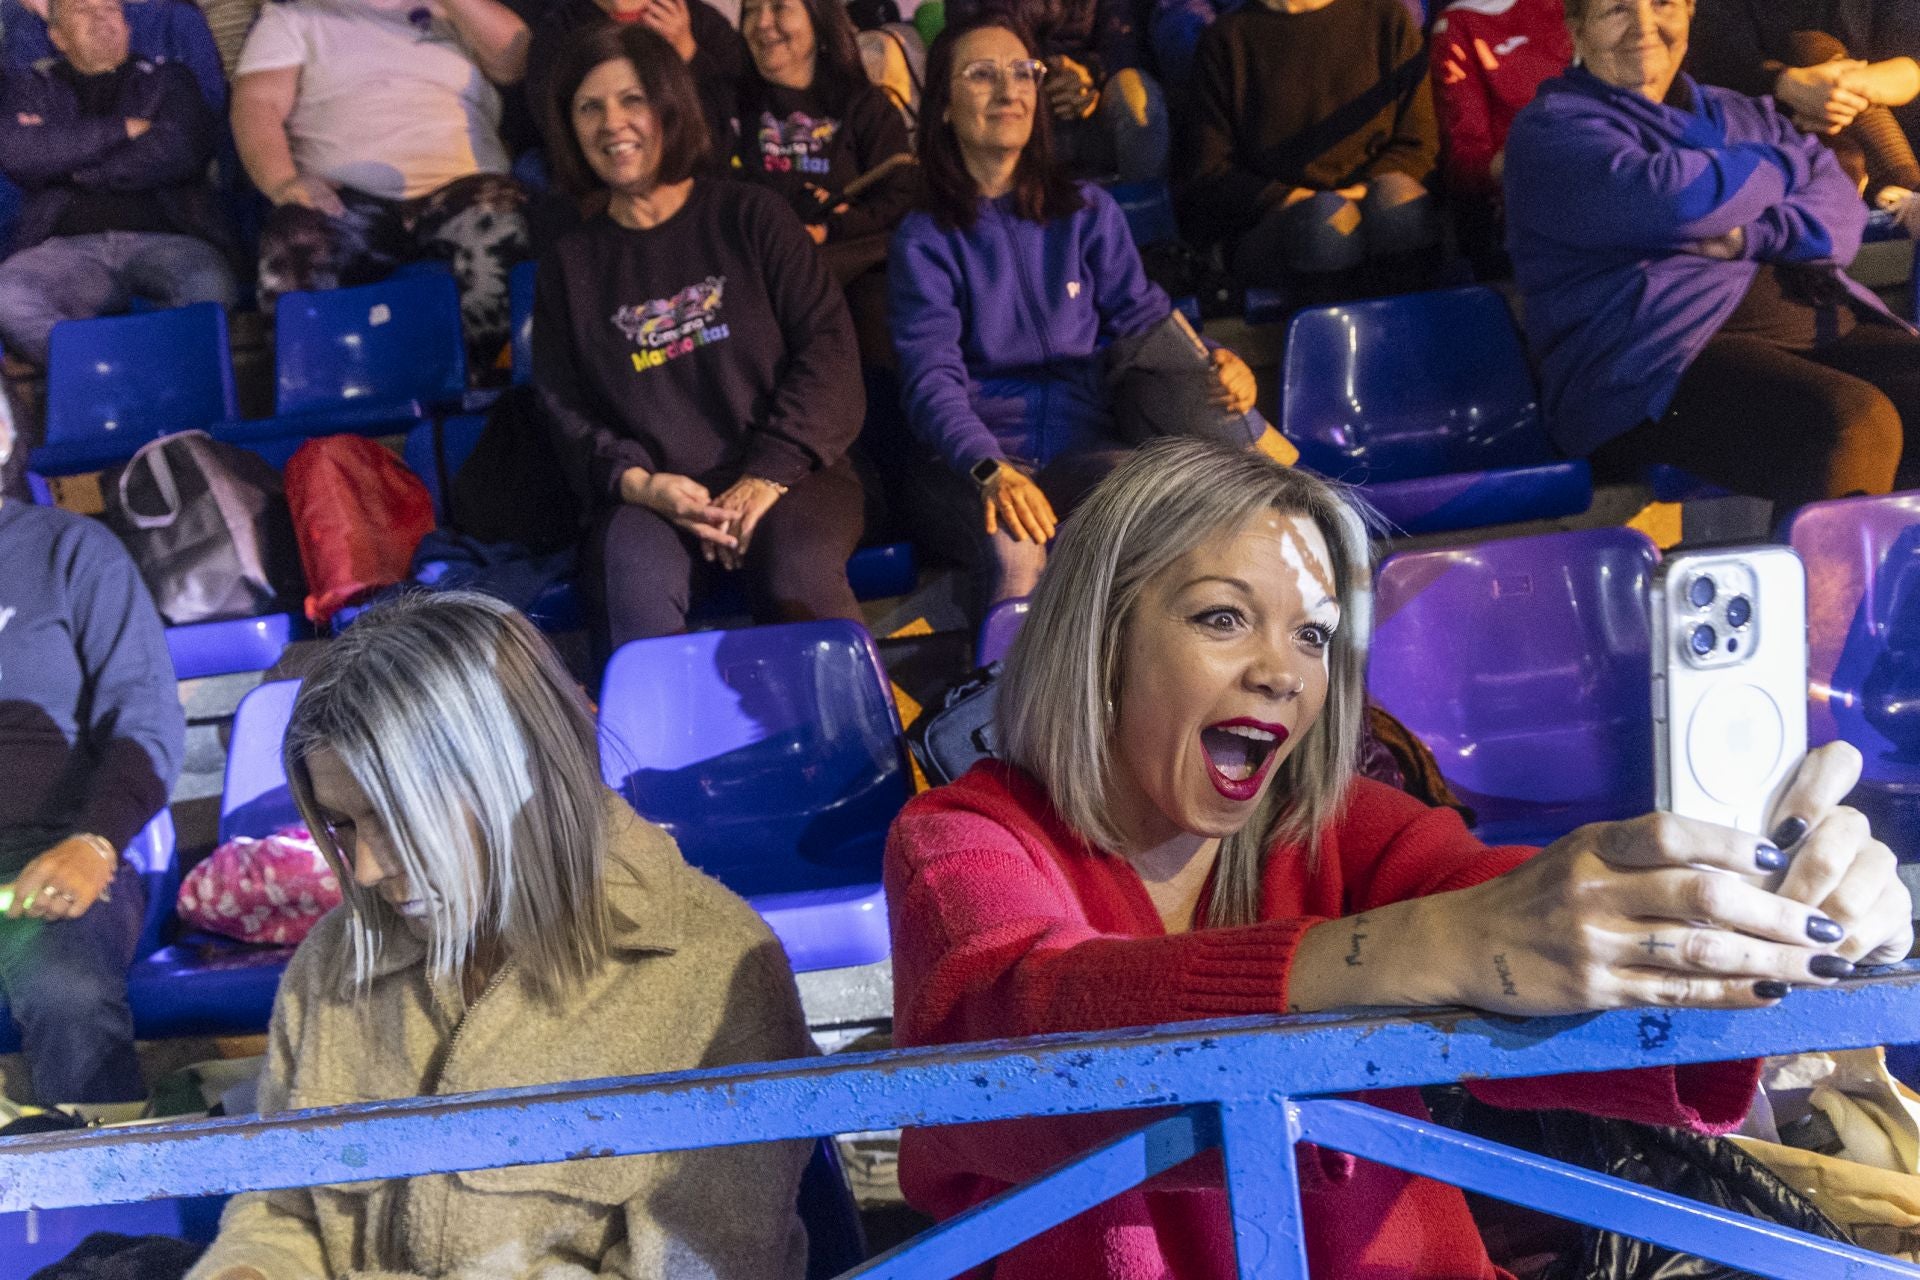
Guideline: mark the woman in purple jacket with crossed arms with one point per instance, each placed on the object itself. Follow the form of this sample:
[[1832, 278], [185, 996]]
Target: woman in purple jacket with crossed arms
[[1004, 287], [1681, 249]]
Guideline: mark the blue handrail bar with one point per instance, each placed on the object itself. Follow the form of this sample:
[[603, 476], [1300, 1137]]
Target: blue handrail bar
[[1250, 1087]]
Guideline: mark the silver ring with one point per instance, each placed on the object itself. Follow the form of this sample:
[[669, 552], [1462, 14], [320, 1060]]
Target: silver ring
[[66, 895]]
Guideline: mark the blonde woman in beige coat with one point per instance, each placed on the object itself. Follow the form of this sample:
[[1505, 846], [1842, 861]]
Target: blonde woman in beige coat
[[508, 921]]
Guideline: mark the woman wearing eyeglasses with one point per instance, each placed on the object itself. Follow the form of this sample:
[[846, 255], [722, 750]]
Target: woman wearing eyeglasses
[[508, 922], [1004, 286]]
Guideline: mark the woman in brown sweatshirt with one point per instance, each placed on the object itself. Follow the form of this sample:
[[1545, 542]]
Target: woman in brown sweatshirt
[[508, 921]]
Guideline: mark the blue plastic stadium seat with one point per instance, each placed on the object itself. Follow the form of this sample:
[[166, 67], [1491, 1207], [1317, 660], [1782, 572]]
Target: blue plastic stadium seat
[[836, 1242], [998, 629], [116, 382], [435, 442], [1430, 391], [520, 310], [774, 756], [32, 1241], [1266, 305], [205, 985], [201, 649], [1148, 207], [1863, 649], [153, 855], [1523, 664], [372, 360], [874, 573], [1671, 484]]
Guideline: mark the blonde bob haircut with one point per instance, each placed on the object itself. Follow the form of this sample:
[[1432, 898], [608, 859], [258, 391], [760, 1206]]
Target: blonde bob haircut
[[1056, 709], [477, 753]]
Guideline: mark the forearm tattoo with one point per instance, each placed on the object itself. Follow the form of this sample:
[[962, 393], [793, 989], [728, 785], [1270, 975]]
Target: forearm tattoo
[[1505, 975], [1359, 936]]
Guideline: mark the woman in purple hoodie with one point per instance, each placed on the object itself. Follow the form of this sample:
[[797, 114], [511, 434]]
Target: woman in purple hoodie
[[1680, 250], [1003, 290]]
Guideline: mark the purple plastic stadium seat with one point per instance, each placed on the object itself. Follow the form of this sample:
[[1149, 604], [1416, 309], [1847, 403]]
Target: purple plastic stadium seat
[[998, 629], [202, 649], [1427, 402], [207, 985], [774, 756], [1863, 649], [254, 799], [1524, 665]]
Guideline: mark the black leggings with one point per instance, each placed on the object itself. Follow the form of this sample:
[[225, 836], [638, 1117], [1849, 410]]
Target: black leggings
[[1790, 426], [642, 570]]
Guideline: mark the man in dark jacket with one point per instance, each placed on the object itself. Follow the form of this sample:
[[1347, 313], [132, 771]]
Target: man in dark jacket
[[112, 153]]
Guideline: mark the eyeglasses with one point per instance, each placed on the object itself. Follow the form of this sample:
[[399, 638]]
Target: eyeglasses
[[983, 74]]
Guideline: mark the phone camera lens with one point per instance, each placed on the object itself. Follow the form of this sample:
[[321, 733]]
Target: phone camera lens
[[1703, 640], [1700, 591], [1739, 612]]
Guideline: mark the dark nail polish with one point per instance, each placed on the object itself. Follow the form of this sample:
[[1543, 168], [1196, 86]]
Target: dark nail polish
[[1790, 833], [1771, 990], [1830, 967], [1769, 858], [1821, 929]]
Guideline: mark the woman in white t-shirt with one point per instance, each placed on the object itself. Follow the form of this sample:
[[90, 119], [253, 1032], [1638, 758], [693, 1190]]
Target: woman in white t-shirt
[[374, 127]]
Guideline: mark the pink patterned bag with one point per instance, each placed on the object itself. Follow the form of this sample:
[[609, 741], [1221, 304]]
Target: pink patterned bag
[[269, 891]]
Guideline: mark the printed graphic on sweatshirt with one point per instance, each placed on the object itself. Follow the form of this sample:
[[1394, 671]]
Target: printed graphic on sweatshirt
[[668, 328], [796, 144]]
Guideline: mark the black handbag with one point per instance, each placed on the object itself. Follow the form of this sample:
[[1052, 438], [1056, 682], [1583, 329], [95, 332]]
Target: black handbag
[[1710, 1170], [207, 525], [951, 740]]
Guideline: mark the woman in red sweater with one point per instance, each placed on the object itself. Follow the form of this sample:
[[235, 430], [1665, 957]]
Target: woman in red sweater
[[1179, 834]]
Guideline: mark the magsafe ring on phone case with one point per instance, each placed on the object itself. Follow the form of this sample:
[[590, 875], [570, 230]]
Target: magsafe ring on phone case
[[1734, 739]]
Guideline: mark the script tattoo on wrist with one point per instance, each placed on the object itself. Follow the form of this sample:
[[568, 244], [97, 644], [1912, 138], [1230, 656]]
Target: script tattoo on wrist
[[1505, 975], [1359, 936]]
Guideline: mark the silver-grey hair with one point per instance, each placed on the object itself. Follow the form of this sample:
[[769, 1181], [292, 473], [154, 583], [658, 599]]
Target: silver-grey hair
[[477, 751], [1056, 707]]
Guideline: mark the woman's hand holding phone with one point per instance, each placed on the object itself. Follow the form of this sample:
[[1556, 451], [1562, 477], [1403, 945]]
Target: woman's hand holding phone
[[1836, 865], [1670, 910]]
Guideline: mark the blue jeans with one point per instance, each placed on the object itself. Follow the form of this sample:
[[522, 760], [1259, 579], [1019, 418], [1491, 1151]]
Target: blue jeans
[[80, 277], [1328, 233], [1127, 135], [66, 986]]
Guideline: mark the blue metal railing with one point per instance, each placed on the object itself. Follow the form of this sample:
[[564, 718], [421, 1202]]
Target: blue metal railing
[[1250, 1087]]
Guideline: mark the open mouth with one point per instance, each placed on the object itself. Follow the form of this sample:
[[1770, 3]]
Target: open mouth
[[1238, 752]]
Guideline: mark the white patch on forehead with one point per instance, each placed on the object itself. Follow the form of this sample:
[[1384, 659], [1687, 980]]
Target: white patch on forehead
[[1311, 580]]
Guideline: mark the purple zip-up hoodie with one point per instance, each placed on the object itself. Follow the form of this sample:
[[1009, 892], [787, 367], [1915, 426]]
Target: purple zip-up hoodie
[[999, 327], [1605, 189]]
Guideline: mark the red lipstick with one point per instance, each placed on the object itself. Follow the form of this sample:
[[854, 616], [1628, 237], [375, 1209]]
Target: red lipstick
[[1241, 790]]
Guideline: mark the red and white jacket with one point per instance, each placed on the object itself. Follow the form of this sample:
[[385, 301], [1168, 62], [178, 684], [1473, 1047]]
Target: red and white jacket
[[1489, 56]]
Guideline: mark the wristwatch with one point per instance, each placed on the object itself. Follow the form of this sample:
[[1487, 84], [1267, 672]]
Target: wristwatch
[[984, 471]]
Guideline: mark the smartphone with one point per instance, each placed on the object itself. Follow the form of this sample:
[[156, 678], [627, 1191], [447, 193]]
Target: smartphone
[[1729, 682]]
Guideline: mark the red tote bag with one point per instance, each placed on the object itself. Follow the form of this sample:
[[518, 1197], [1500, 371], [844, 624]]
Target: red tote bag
[[358, 514]]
